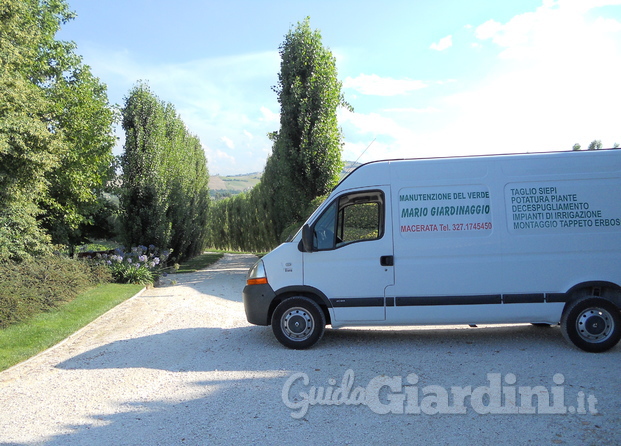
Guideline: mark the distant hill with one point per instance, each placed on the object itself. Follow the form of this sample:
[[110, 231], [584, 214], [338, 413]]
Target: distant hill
[[226, 186]]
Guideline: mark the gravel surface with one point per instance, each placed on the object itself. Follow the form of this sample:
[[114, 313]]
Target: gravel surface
[[180, 365]]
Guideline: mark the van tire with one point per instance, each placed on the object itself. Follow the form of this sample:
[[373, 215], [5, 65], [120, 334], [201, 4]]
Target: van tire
[[298, 322], [592, 324]]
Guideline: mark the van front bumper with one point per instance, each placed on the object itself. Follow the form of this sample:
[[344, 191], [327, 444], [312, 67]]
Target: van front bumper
[[257, 300]]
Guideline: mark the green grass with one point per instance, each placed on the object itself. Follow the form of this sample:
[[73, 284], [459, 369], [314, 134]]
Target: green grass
[[199, 262], [21, 341], [99, 245]]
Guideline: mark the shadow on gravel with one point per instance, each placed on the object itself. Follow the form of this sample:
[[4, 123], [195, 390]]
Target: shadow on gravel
[[493, 338], [241, 401], [189, 349], [248, 348]]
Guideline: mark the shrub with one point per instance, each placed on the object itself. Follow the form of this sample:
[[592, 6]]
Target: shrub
[[132, 273], [141, 265], [101, 273], [41, 284]]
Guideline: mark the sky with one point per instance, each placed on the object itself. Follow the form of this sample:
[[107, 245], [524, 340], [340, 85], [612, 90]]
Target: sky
[[424, 78]]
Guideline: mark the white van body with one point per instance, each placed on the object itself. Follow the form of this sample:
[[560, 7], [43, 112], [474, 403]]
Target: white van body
[[472, 240]]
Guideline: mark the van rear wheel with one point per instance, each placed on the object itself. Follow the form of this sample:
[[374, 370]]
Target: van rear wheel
[[298, 322], [592, 324]]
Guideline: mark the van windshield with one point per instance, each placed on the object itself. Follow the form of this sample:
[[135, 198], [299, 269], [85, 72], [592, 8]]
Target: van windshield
[[324, 229]]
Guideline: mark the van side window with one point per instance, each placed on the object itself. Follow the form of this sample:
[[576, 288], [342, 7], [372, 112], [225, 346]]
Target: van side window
[[351, 218], [359, 222]]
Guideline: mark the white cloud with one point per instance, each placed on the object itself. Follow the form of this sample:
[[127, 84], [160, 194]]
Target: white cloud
[[374, 136], [220, 156], [269, 116], [442, 44], [228, 142], [488, 30], [375, 85], [607, 25], [373, 123], [553, 84], [557, 30]]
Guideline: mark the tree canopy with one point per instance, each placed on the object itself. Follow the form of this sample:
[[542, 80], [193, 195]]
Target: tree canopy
[[55, 131], [306, 152], [165, 192]]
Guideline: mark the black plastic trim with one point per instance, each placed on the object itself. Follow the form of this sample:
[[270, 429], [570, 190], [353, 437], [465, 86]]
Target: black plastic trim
[[484, 299], [557, 297], [305, 291], [358, 302], [523, 298]]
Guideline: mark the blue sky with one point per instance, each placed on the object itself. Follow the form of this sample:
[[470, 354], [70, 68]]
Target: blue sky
[[425, 78]]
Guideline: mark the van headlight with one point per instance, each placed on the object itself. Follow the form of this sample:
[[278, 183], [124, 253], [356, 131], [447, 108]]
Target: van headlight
[[256, 275]]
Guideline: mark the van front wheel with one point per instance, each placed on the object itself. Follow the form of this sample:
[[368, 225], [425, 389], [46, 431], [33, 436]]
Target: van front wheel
[[298, 322], [592, 324]]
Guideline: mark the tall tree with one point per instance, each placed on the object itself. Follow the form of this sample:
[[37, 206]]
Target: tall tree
[[27, 147], [306, 154], [165, 178], [144, 200], [55, 126]]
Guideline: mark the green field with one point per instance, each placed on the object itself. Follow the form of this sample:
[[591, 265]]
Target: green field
[[221, 186]]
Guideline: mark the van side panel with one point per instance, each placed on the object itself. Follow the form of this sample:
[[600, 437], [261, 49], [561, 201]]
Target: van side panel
[[507, 229], [447, 242], [563, 225]]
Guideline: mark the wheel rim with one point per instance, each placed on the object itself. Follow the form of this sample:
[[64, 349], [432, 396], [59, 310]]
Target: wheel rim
[[297, 324], [595, 324]]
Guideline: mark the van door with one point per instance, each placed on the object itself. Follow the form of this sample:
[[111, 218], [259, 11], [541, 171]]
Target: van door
[[352, 257]]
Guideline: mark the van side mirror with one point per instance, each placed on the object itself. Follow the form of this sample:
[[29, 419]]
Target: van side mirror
[[307, 238]]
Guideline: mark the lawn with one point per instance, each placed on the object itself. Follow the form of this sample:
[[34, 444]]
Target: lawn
[[199, 262], [21, 341]]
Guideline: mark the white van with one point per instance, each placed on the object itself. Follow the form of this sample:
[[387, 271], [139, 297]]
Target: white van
[[532, 238]]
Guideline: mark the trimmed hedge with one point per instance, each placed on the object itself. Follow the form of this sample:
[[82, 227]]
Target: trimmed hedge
[[38, 285]]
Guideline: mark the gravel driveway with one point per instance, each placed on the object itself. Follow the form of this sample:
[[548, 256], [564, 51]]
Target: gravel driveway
[[180, 365]]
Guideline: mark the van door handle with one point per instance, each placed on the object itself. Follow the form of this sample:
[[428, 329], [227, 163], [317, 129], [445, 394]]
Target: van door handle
[[387, 260]]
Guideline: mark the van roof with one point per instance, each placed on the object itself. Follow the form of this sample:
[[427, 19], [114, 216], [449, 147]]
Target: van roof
[[498, 155]]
